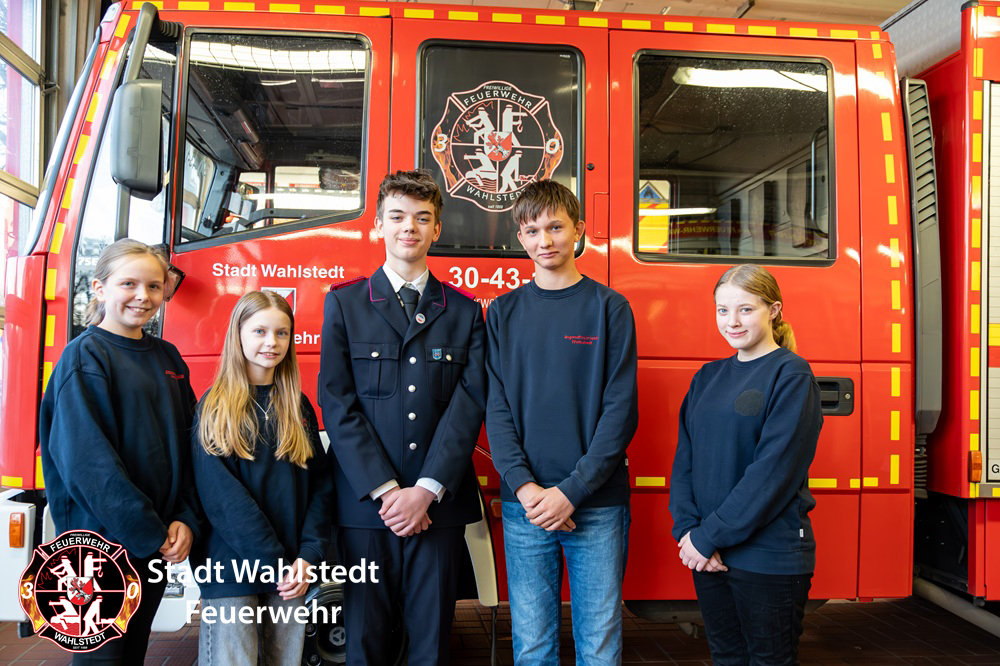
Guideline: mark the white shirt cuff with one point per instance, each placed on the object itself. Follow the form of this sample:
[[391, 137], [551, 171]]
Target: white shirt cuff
[[430, 484], [383, 489]]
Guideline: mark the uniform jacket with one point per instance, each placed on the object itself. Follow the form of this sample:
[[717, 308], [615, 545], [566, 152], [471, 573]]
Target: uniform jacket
[[402, 400]]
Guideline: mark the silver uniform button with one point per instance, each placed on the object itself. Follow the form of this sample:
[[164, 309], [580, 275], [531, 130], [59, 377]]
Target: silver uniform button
[[374, 354], [411, 388], [413, 359], [412, 416], [413, 446], [447, 357]]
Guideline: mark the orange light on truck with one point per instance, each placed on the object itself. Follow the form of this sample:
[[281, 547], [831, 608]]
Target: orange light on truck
[[975, 466], [17, 530]]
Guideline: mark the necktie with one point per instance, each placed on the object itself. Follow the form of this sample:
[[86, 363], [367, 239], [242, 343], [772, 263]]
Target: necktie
[[409, 296]]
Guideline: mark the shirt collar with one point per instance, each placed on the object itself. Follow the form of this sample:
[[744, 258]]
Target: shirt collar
[[397, 282]]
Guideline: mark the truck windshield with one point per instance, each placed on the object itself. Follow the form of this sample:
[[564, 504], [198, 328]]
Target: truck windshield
[[274, 132]]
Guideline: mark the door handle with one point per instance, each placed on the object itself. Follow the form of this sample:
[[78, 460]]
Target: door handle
[[836, 395]]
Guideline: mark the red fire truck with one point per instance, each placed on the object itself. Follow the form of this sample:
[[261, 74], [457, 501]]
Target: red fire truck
[[250, 137], [957, 53]]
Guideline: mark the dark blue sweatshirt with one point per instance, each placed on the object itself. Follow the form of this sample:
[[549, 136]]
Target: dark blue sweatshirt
[[747, 436], [562, 404], [114, 432], [261, 510]]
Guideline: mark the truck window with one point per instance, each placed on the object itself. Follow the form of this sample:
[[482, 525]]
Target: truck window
[[147, 219], [493, 119], [274, 136], [734, 158]]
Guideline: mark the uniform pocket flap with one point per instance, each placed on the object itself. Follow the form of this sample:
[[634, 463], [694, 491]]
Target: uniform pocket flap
[[447, 354], [375, 351]]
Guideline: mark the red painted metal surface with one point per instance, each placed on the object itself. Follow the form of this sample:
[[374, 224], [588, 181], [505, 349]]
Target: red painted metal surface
[[850, 319]]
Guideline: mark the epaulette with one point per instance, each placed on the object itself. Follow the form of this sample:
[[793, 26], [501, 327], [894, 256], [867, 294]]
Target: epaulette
[[345, 283], [467, 294]]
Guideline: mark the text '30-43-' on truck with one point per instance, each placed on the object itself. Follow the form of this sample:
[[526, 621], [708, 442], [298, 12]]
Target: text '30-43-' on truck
[[250, 138]]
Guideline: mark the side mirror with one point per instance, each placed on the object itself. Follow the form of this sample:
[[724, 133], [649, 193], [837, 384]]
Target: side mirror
[[136, 144]]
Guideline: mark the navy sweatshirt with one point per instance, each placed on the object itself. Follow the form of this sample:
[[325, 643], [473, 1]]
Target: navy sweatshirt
[[114, 431], [562, 403], [261, 510], [747, 436]]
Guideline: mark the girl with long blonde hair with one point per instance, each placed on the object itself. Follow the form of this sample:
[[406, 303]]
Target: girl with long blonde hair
[[265, 487], [739, 496]]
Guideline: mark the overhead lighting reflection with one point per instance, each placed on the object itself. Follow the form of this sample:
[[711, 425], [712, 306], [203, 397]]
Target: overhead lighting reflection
[[749, 78], [673, 212], [261, 59]]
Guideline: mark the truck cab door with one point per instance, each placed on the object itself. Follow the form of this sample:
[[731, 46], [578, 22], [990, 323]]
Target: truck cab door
[[731, 149], [280, 145]]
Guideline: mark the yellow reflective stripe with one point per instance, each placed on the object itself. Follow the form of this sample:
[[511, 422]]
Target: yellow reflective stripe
[[46, 374], [57, 238], [50, 284], [645, 481]]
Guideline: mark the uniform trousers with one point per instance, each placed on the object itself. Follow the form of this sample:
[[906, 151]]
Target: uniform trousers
[[417, 579]]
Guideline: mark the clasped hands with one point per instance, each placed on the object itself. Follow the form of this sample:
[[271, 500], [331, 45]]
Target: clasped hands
[[178, 543], [692, 559], [547, 508], [404, 510]]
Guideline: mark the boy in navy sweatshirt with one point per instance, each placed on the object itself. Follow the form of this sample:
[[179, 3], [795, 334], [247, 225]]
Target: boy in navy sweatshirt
[[562, 408]]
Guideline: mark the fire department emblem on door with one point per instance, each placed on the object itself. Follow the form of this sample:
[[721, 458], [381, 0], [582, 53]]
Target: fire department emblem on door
[[79, 590], [494, 140]]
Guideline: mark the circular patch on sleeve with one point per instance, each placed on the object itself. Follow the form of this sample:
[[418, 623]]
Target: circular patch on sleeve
[[749, 403]]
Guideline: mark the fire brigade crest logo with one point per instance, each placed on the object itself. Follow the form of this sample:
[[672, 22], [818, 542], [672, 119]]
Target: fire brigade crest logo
[[80, 590], [494, 140]]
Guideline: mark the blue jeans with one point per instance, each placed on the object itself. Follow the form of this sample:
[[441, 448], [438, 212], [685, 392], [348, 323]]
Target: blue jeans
[[276, 641], [595, 553], [752, 619]]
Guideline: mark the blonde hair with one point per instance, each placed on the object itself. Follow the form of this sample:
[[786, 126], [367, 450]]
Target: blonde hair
[[228, 422], [111, 258], [758, 281]]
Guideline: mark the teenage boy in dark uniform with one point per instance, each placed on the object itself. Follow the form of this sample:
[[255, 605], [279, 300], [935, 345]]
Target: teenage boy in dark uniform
[[402, 386], [562, 408]]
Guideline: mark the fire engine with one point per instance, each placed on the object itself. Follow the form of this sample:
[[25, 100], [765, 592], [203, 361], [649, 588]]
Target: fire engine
[[250, 138]]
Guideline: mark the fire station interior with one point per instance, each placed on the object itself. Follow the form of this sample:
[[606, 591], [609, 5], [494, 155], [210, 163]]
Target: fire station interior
[[274, 133]]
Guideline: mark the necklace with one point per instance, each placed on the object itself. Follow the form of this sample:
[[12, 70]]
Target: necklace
[[263, 411]]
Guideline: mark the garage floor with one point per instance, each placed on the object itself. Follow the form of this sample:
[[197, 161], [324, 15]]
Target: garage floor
[[910, 631]]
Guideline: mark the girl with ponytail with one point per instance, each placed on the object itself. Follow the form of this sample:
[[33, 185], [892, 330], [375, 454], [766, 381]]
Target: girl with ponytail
[[739, 497]]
